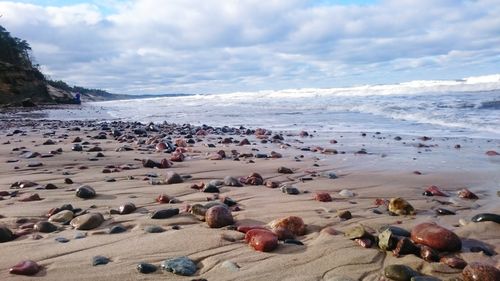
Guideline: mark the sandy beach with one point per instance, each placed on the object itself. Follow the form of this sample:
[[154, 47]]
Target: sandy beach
[[359, 172]]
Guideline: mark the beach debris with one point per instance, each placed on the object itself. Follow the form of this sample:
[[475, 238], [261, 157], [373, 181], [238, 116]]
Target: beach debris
[[322, 197], [261, 240], [146, 268], [85, 192], [436, 237], [218, 216], [486, 217], [480, 272], [87, 221], [165, 213], [467, 194], [27, 267], [180, 266], [293, 223], [401, 207]]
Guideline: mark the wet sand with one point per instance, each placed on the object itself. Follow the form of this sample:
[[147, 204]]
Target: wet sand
[[372, 166]]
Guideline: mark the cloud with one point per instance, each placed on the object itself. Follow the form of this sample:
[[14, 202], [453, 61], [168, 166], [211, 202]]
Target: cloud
[[190, 46]]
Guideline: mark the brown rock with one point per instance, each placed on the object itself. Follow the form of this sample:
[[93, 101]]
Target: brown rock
[[294, 224], [27, 197], [436, 237], [401, 207], [253, 179], [27, 267], [285, 170], [322, 197], [344, 215], [162, 199], [177, 157], [218, 216], [173, 178], [492, 153], [454, 262], [272, 184], [262, 240], [467, 194], [246, 228], [283, 233], [87, 221], [435, 191], [480, 272]]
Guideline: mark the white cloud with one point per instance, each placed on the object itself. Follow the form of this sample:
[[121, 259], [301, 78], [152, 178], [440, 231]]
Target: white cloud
[[214, 46]]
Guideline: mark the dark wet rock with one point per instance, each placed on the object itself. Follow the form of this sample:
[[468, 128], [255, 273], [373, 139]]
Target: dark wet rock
[[467, 194], [180, 266], [261, 240], [163, 199], [322, 197], [173, 178], [218, 216], [148, 163], [228, 201], [288, 189], [154, 229], [68, 181], [146, 268], [126, 208], [87, 221], [80, 235], [436, 237], [401, 207], [428, 254], [292, 241], [50, 186], [94, 149], [486, 217], [77, 147], [45, 227], [117, 229], [5, 234], [61, 239], [285, 170], [480, 248], [85, 192], [344, 215], [480, 272], [444, 212], [165, 213], [232, 181], [210, 188], [49, 142], [398, 231], [27, 267], [399, 272], [405, 247], [454, 262], [100, 260]]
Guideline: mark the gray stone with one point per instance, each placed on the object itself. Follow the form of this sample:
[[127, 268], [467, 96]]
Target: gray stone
[[100, 260], [180, 266], [87, 221], [154, 229]]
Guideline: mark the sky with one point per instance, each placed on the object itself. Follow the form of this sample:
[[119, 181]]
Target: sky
[[216, 46]]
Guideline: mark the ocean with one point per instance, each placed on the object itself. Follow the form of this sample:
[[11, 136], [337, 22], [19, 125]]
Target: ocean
[[468, 107]]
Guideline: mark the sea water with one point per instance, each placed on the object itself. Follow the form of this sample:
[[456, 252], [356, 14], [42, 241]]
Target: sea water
[[467, 107]]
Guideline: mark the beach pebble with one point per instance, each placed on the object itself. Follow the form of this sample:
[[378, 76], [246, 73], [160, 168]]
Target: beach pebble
[[232, 181], [346, 193], [63, 217], [467, 194], [331, 175], [23, 184], [80, 235], [99, 260], [283, 233], [231, 266], [272, 184], [246, 228], [386, 240], [398, 231], [165, 213], [399, 272], [50, 186], [154, 229], [27, 267], [436, 237], [34, 164], [261, 240], [405, 247], [289, 189], [77, 147], [163, 199], [285, 170], [339, 278], [480, 272], [356, 232], [218, 216], [27, 197], [434, 191], [293, 241], [444, 212], [454, 262], [45, 227], [61, 239], [85, 192], [5, 234], [428, 254], [344, 215], [486, 217], [425, 278], [492, 153], [253, 179], [401, 207], [293, 223], [173, 178], [117, 229], [127, 208], [146, 268], [322, 197], [180, 266], [87, 221]]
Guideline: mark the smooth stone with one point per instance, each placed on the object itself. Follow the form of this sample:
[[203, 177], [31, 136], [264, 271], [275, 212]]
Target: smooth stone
[[146, 268], [444, 212], [85, 192], [27, 197], [293, 241], [283, 233], [323, 197], [154, 229], [401, 207], [428, 254], [80, 235], [434, 191], [436, 237], [63, 217], [218, 216], [117, 229], [231, 266], [293, 223], [50, 186], [100, 260], [45, 227], [399, 272], [180, 266], [454, 262], [290, 190], [27, 267], [332, 176], [398, 231], [211, 189], [486, 217], [480, 272], [127, 208], [87, 221], [467, 194], [199, 211], [346, 193], [356, 232], [261, 240], [285, 170], [163, 198], [77, 147], [232, 181], [5, 234], [344, 215], [386, 240], [62, 239], [165, 213], [173, 178]]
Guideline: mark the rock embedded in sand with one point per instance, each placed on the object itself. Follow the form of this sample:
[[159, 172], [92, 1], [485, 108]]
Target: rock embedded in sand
[[45, 227], [173, 178], [399, 272], [127, 208], [23, 184], [117, 229], [346, 193], [85, 192], [401, 207], [285, 170], [232, 181], [428, 254], [444, 212], [434, 191], [454, 262], [146, 268], [87, 221], [99, 260], [63, 217], [486, 217], [253, 179], [27, 267], [405, 247], [344, 215], [5, 234], [436, 237], [387, 240], [154, 229], [165, 213], [163, 199], [492, 153], [290, 189], [262, 240], [180, 266], [283, 233], [293, 223], [480, 272], [467, 194], [27, 197], [218, 216], [322, 197]]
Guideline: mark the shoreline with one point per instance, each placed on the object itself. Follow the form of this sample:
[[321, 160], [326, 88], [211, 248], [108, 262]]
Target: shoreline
[[383, 171]]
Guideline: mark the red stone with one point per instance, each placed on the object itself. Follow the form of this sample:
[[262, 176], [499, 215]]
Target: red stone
[[246, 228], [199, 186], [165, 163], [180, 143], [492, 153], [454, 262], [436, 237], [364, 242], [162, 198], [26, 267], [434, 190], [262, 240], [283, 233], [218, 216], [467, 194], [323, 197], [381, 201], [177, 157], [161, 146], [253, 179], [480, 272]]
